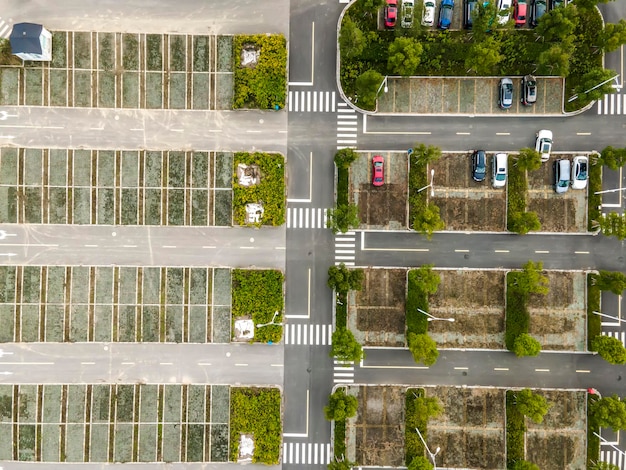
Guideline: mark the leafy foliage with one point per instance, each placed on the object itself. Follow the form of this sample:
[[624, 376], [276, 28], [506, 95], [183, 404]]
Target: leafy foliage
[[517, 219], [557, 24], [614, 158], [588, 89], [264, 85], [515, 430], [256, 411], [613, 225], [428, 221], [343, 218], [351, 39], [341, 465], [422, 282], [341, 406], [404, 56], [345, 157], [341, 310], [613, 281], [603, 466], [420, 463], [339, 442], [345, 346], [342, 279], [418, 410], [613, 36], [528, 159], [484, 56], [608, 412], [424, 215], [594, 200], [270, 191], [594, 322], [423, 348], [531, 280], [367, 86], [524, 465], [531, 405], [526, 345], [610, 349], [259, 293]]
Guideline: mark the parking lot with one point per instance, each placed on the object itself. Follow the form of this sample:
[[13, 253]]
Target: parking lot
[[381, 207], [465, 95], [113, 187], [125, 70], [463, 203], [114, 423], [125, 304]]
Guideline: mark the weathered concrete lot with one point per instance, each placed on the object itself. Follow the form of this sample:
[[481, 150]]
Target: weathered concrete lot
[[382, 207], [463, 203], [465, 95], [114, 423], [114, 187], [125, 70], [125, 304]]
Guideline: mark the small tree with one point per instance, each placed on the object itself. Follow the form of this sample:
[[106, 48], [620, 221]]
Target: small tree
[[557, 24], [342, 218], [351, 39], [343, 279], [427, 280], [610, 349], [612, 36], [613, 225], [340, 405], [526, 345], [614, 158], [424, 154], [367, 85], [613, 281], [404, 56], [524, 465], [420, 463], [531, 280], [345, 346], [483, 56], [524, 222], [589, 91], [528, 159], [423, 348], [532, 405], [428, 221], [345, 157], [608, 412]]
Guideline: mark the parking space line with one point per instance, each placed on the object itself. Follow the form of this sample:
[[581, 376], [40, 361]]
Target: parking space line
[[461, 368], [583, 133], [166, 363], [241, 365]]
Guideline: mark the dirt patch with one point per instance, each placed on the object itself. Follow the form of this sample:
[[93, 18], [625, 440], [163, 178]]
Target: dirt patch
[[558, 318], [377, 431], [376, 313], [559, 442]]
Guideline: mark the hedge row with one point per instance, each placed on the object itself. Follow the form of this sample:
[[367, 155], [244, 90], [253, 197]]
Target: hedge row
[[263, 85], [594, 322], [413, 446], [593, 441], [517, 318], [342, 186], [259, 294], [341, 310], [339, 446], [515, 430], [256, 411], [270, 191], [516, 193], [594, 200], [416, 297], [417, 180]]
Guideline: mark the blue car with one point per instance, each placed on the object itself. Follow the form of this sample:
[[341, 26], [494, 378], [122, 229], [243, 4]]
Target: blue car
[[445, 14]]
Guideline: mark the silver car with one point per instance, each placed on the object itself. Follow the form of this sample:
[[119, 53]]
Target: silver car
[[561, 175], [505, 93]]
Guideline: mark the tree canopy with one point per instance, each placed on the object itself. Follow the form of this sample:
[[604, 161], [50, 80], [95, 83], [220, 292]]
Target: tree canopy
[[342, 218], [608, 412], [531, 280], [531, 405], [610, 349], [420, 463], [404, 56], [367, 85], [528, 159], [342, 279], [423, 348], [340, 405], [345, 347], [526, 345], [613, 281]]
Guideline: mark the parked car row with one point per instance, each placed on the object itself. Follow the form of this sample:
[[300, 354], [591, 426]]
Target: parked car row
[[574, 174], [528, 91], [499, 164]]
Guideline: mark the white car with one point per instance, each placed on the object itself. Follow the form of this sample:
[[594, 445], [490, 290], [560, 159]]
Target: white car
[[428, 15], [499, 166], [543, 144], [580, 172], [504, 11]]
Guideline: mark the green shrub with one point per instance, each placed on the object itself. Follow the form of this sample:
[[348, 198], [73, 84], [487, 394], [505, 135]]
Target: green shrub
[[341, 310], [593, 441], [256, 411], [343, 175], [515, 430], [517, 219], [420, 283], [517, 318], [594, 322], [594, 200], [413, 446], [259, 294], [339, 447], [270, 191], [263, 86]]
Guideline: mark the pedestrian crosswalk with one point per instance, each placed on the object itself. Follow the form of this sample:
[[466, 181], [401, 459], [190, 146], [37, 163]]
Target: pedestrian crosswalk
[[306, 453], [306, 217], [621, 335], [613, 103], [6, 26], [319, 335], [343, 372], [345, 244], [613, 456], [312, 101], [347, 124]]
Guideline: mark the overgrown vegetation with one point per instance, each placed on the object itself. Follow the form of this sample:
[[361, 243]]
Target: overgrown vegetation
[[519, 404], [418, 410], [423, 215], [262, 85], [345, 215], [339, 442], [594, 322], [519, 286], [270, 191], [421, 283], [345, 347], [259, 294], [568, 42], [518, 220], [594, 201], [610, 349], [6, 56], [593, 441], [340, 406], [256, 411]]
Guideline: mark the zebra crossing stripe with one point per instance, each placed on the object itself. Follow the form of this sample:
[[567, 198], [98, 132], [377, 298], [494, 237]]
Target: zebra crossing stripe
[[312, 101], [307, 453], [307, 334], [307, 217]]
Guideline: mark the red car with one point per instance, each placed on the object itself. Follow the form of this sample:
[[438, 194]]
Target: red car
[[391, 13], [519, 13], [378, 170]]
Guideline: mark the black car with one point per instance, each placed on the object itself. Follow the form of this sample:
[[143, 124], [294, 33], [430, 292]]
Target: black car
[[469, 7], [537, 11], [479, 165], [529, 90]]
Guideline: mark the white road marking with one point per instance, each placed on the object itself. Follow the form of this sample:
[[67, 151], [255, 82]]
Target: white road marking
[[542, 370], [544, 252], [501, 368], [501, 251], [583, 371], [241, 365], [581, 252], [461, 251]]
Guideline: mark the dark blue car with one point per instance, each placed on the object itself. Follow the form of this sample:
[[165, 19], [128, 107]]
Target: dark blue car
[[445, 14]]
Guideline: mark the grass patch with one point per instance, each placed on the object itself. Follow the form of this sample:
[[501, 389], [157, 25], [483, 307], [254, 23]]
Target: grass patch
[[515, 430], [341, 310], [343, 175], [270, 191], [339, 445], [594, 200], [517, 318], [259, 294], [413, 446], [417, 180], [416, 297], [256, 411], [516, 191], [594, 322], [262, 85]]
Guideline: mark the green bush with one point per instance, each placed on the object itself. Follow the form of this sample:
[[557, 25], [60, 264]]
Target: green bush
[[517, 318], [256, 411], [413, 446], [270, 191], [594, 200], [420, 283], [339, 447], [265, 85], [515, 430], [593, 441], [343, 175], [517, 218], [341, 310], [594, 322], [259, 293]]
